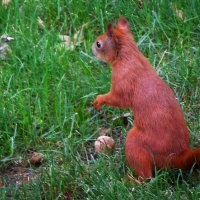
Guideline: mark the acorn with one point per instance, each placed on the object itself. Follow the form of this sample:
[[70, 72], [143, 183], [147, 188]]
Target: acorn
[[36, 159]]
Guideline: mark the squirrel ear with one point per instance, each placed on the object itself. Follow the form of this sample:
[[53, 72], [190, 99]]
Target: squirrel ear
[[110, 29], [123, 23]]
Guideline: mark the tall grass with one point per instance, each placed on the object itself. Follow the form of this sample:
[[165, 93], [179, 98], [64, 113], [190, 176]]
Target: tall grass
[[47, 92]]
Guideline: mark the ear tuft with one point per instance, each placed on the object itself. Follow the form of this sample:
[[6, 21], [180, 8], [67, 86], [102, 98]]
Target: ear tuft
[[123, 23], [110, 29]]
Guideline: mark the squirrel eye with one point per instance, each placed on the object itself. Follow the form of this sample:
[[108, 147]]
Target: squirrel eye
[[98, 44]]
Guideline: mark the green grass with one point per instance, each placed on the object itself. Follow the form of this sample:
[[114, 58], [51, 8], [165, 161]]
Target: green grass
[[46, 96]]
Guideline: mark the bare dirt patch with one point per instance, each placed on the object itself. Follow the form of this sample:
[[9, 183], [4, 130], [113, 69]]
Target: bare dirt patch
[[18, 171]]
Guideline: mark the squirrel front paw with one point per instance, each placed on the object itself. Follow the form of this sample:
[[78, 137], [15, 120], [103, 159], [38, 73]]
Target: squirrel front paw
[[98, 102]]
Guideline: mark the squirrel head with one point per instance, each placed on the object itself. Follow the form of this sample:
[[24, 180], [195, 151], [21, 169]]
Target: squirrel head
[[107, 45]]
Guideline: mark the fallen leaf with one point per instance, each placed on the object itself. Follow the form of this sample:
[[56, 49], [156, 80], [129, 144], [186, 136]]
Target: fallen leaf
[[140, 3], [5, 2], [6, 38], [40, 22], [65, 43], [65, 39], [70, 42], [178, 12], [78, 36]]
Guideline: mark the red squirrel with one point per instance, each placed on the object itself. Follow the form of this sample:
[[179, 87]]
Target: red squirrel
[[159, 137]]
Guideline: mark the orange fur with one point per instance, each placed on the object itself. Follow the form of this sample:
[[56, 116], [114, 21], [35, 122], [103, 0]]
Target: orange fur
[[160, 136]]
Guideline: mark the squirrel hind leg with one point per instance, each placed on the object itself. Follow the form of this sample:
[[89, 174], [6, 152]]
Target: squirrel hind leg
[[140, 160]]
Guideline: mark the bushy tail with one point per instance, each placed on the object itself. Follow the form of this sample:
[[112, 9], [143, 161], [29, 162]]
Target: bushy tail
[[185, 159]]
